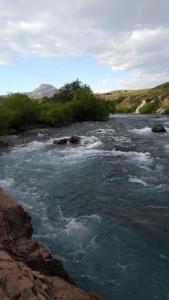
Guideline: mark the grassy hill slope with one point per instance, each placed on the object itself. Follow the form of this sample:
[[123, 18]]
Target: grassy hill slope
[[113, 95], [155, 100]]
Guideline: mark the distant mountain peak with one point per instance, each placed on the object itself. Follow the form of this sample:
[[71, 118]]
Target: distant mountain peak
[[44, 85], [44, 90]]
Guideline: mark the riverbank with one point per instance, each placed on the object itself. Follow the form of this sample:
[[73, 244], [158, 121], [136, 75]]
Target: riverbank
[[27, 270]]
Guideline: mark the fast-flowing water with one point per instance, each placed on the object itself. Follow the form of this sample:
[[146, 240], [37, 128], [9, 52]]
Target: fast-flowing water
[[102, 207]]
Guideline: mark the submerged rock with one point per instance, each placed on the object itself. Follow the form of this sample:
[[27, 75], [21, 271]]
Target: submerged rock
[[3, 144], [158, 128], [124, 148], [27, 270]]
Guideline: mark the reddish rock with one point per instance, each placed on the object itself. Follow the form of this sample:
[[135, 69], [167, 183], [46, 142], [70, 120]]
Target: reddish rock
[[27, 270]]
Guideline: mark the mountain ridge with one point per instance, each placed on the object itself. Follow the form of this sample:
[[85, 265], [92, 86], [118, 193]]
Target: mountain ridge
[[44, 90]]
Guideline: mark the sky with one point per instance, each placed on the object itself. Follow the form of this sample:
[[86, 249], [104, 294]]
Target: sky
[[107, 44]]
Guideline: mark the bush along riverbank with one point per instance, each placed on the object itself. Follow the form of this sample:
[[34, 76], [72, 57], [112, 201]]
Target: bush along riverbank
[[74, 102]]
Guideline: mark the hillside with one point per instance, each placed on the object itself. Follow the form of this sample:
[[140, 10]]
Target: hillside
[[155, 100], [113, 95]]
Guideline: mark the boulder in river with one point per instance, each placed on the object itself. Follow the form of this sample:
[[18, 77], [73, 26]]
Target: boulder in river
[[74, 139], [158, 128], [61, 141]]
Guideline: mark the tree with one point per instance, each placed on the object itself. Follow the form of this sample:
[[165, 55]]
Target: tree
[[67, 92]]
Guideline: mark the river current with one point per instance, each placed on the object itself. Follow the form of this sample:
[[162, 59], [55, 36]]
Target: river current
[[101, 207]]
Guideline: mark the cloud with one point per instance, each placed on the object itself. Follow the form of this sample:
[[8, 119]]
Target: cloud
[[142, 48], [141, 80], [128, 35]]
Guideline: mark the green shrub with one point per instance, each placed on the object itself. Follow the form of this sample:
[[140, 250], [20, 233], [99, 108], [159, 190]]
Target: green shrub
[[147, 108], [92, 109], [8, 118], [124, 109], [18, 112], [111, 105], [67, 92], [55, 114]]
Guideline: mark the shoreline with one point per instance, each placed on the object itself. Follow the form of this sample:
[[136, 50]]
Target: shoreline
[[27, 270]]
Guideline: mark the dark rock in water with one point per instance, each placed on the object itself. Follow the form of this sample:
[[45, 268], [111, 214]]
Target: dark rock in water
[[3, 144], [74, 139], [27, 270], [158, 128], [61, 141]]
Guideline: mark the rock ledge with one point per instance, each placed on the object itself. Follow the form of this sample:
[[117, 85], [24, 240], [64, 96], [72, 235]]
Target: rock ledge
[[27, 270]]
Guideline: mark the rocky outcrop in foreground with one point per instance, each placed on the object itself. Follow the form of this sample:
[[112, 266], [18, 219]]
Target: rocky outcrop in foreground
[[27, 270]]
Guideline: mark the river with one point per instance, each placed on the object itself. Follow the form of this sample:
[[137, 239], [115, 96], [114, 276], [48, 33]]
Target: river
[[102, 207]]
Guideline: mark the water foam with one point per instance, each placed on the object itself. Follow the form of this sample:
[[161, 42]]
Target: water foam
[[74, 226], [145, 130], [52, 154], [32, 146], [103, 131], [88, 148], [121, 139], [7, 182], [78, 232], [137, 181], [90, 142], [81, 223], [166, 148], [164, 257], [142, 157]]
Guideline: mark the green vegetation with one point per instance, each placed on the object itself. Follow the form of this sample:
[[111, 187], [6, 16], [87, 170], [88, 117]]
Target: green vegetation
[[111, 106], [148, 108], [16, 112], [120, 95], [74, 102], [157, 100], [68, 91], [124, 109]]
